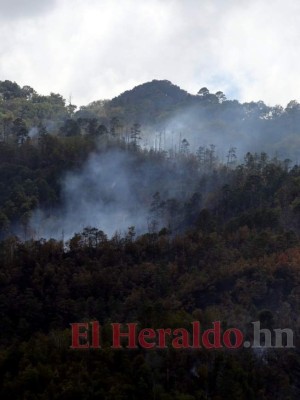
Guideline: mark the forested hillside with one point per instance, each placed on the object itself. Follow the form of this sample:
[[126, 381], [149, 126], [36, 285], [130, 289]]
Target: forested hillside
[[157, 207]]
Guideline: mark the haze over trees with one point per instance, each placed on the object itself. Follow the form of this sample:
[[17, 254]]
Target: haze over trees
[[157, 207]]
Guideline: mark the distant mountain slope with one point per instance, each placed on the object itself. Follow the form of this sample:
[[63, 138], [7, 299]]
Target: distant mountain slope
[[151, 103], [202, 119], [159, 92], [156, 108]]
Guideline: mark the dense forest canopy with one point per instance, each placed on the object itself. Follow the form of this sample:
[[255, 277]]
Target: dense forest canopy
[[58, 163], [163, 111], [158, 207]]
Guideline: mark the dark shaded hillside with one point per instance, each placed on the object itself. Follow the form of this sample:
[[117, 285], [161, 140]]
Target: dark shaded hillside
[[158, 93], [193, 236], [238, 263], [161, 107], [45, 143], [152, 102], [156, 115]]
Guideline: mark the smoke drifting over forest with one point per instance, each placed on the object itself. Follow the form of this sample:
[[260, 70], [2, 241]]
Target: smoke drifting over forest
[[103, 194], [145, 158], [129, 204], [242, 128], [117, 189], [191, 136]]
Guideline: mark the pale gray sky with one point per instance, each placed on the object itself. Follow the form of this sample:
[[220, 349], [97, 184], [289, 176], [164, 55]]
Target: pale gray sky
[[95, 49]]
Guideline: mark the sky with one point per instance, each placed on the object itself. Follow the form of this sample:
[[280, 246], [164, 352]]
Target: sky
[[96, 49]]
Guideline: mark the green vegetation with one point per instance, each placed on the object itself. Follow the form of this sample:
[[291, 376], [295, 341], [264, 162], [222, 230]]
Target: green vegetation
[[222, 243]]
